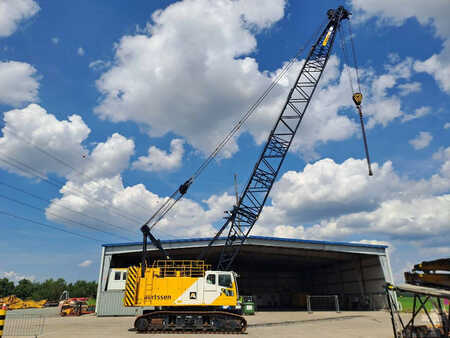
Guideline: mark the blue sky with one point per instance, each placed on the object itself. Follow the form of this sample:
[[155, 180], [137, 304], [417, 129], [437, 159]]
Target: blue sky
[[108, 106]]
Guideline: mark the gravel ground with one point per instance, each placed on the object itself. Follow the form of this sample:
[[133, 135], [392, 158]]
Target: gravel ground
[[263, 324]]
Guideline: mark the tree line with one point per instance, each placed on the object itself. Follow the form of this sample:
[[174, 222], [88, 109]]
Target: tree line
[[50, 289]]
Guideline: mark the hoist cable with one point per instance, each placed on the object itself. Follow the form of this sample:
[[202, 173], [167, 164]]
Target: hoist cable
[[343, 39], [178, 194], [354, 55]]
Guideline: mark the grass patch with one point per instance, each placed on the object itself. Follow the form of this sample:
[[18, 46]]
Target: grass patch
[[407, 303]]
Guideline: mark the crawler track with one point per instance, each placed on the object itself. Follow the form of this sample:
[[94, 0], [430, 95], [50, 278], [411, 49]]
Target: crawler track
[[195, 322]]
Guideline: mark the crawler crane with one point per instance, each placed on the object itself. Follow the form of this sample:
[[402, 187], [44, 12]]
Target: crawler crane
[[189, 295]]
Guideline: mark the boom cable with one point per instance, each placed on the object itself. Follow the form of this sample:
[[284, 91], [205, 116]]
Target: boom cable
[[178, 194]]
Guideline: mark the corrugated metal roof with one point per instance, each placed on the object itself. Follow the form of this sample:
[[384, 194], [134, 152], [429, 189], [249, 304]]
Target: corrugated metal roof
[[308, 241]]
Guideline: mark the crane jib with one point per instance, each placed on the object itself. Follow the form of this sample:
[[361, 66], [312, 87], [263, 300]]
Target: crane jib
[[251, 203]]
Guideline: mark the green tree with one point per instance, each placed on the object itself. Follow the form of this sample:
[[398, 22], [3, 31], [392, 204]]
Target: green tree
[[82, 288], [49, 289], [24, 289], [6, 287]]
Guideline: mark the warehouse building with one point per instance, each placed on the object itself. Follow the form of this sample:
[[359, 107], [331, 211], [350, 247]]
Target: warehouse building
[[279, 273]]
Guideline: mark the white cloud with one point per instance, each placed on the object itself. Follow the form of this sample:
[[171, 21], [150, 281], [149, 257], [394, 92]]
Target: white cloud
[[99, 65], [16, 277], [326, 200], [13, 12], [205, 108], [417, 218], [159, 160], [443, 155], [61, 138], [422, 140], [382, 107], [419, 112], [433, 13], [328, 189], [375, 242], [397, 12], [171, 66], [119, 202], [438, 65], [174, 69], [106, 160], [438, 251], [85, 264], [447, 125], [99, 190], [55, 40], [18, 83], [329, 201], [410, 87], [80, 51]]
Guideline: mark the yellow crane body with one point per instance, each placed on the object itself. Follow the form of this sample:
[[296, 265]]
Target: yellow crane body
[[180, 283], [185, 294]]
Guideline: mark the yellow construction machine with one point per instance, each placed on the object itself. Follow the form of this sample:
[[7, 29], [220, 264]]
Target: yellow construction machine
[[15, 303], [184, 289]]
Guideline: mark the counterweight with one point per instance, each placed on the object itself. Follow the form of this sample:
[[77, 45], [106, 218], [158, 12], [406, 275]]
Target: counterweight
[[246, 213]]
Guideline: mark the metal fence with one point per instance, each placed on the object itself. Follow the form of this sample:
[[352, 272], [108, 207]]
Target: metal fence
[[24, 325], [322, 303]]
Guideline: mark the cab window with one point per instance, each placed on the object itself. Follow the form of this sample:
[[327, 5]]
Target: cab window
[[124, 276], [225, 280], [211, 279], [117, 275]]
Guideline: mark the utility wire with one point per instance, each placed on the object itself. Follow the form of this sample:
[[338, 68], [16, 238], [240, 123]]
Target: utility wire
[[64, 207], [79, 173], [64, 163], [61, 217], [49, 226], [10, 161], [34, 172]]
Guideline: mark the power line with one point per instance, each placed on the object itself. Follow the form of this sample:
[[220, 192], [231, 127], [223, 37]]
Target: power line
[[64, 163], [50, 226], [34, 172], [10, 161], [61, 217], [62, 206]]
